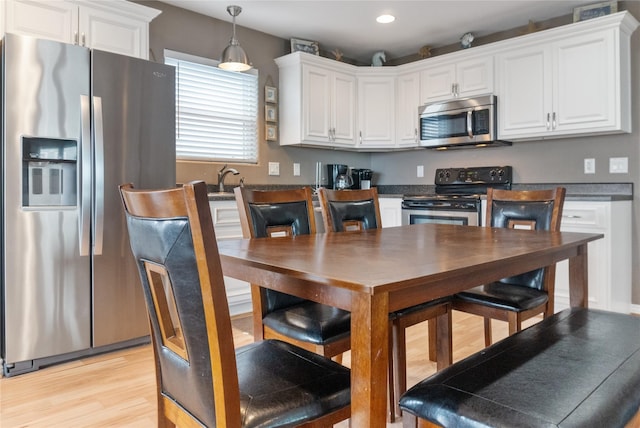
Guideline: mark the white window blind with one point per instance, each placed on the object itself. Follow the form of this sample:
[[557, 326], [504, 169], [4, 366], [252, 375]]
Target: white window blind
[[216, 111]]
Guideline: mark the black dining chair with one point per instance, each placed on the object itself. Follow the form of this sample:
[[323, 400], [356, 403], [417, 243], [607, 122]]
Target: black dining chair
[[281, 214], [517, 298], [201, 380], [356, 210]]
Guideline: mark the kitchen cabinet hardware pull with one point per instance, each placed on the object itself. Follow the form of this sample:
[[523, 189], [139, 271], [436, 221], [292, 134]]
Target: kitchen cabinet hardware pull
[[360, 137], [553, 121], [548, 121], [572, 216], [76, 41], [415, 134], [84, 40], [470, 124]]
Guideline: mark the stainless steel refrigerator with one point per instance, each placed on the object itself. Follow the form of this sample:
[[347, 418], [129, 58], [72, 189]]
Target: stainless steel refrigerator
[[76, 123]]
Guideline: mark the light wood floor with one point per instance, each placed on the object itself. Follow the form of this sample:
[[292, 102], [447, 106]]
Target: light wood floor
[[118, 389]]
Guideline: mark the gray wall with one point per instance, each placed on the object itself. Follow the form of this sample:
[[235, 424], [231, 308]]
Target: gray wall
[[548, 161]]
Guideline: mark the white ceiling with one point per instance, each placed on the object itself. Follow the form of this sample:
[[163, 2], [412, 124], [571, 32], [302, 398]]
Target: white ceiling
[[351, 27]]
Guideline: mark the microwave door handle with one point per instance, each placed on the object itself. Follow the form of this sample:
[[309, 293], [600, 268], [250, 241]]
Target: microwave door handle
[[470, 123]]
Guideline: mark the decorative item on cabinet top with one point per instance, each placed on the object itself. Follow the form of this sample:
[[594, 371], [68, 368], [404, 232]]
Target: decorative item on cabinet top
[[595, 10], [305, 46], [378, 59]]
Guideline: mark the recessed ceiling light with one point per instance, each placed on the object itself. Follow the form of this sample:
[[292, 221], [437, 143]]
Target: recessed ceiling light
[[385, 19]]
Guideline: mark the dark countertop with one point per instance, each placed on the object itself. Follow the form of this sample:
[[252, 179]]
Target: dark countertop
[[606, 192]]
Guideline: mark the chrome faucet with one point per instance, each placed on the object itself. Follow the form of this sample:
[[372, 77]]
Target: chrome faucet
[[222, 174]]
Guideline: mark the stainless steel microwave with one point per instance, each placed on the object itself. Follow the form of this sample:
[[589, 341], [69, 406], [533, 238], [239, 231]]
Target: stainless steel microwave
[[465, 122]]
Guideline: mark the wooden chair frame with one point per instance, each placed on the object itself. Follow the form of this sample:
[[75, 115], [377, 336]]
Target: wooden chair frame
[[515, 319], [438, 317], [244, 198], [191, 201]]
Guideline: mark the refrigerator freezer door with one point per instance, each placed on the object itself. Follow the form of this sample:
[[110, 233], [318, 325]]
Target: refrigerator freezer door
[[138, 119], [46, 283]]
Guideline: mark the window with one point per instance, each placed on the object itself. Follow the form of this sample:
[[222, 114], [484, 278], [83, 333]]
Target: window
[[216, 111]]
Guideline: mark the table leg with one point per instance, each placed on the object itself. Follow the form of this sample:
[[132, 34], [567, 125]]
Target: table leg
[[369, 359], [578, 279]]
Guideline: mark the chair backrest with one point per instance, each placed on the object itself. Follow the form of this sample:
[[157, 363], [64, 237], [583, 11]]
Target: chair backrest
[[174, 245], [350, 210], [274, 214], [527, 209]]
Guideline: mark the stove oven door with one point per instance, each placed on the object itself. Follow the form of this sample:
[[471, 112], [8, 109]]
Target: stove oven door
[[465, 217]]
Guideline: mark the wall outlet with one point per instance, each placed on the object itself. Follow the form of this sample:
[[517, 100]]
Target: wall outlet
[[618, 165], [420, 171], [296, 169], [274, 168], [590, 166]]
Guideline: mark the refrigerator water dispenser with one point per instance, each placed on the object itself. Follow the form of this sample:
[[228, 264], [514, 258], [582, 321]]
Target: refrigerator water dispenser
[[49, 172]]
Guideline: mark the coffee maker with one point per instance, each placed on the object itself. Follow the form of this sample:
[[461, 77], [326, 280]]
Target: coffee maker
[[333, 171], [361, 178]]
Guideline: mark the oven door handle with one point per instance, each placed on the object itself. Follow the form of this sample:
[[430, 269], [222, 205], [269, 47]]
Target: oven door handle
[[470, 123]]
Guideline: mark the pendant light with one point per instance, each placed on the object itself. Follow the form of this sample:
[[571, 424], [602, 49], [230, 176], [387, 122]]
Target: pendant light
[[234, 57]]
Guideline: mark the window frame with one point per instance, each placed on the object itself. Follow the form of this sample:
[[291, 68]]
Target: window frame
[[251, 147]]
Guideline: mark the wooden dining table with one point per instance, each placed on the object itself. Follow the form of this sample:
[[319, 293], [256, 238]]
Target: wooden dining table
[[372, 273]]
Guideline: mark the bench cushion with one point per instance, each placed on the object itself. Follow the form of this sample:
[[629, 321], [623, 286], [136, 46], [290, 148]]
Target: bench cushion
[[578, 368]]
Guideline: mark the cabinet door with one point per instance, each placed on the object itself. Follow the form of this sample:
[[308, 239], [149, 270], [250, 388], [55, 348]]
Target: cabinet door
[[436, 83], [316, 103], [474, 77], [100, 29], [407, 104], [343, 106], [226, 221], [53, 20], [391, 211], [376, 118], [585, 82], [524, 91]]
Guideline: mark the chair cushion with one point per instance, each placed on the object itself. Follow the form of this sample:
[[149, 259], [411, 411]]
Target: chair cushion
[[504, 296], [578, 368], [282, 385], [310, 322]]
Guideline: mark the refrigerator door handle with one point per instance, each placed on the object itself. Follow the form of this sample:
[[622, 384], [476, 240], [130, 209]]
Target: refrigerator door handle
[[99, 175], [84, 223]]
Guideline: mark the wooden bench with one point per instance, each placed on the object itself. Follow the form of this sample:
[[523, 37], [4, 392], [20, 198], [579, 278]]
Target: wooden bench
[[578, 368]]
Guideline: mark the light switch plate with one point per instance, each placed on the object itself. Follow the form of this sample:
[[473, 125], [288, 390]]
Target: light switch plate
[[296, 169], [590, 166], [618, 165], [274, 168], [420, 171]]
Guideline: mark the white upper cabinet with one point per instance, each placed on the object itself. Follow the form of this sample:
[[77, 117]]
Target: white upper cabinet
[[376, 111], [407, 104], [460, 79], [565, 81], [567, 85], [112, 25], [317, 102]]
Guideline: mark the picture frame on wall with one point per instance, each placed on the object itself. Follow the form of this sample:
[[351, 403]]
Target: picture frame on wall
[[582, 13], [299, 45], [270, 113], [270, 94], [271, 132]]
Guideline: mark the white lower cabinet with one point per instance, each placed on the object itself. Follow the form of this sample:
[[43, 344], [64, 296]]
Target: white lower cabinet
[[391, 211], [226, 222], [609, 258]]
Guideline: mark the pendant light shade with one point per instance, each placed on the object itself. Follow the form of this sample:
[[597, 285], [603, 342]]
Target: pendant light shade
[[234, 57]]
